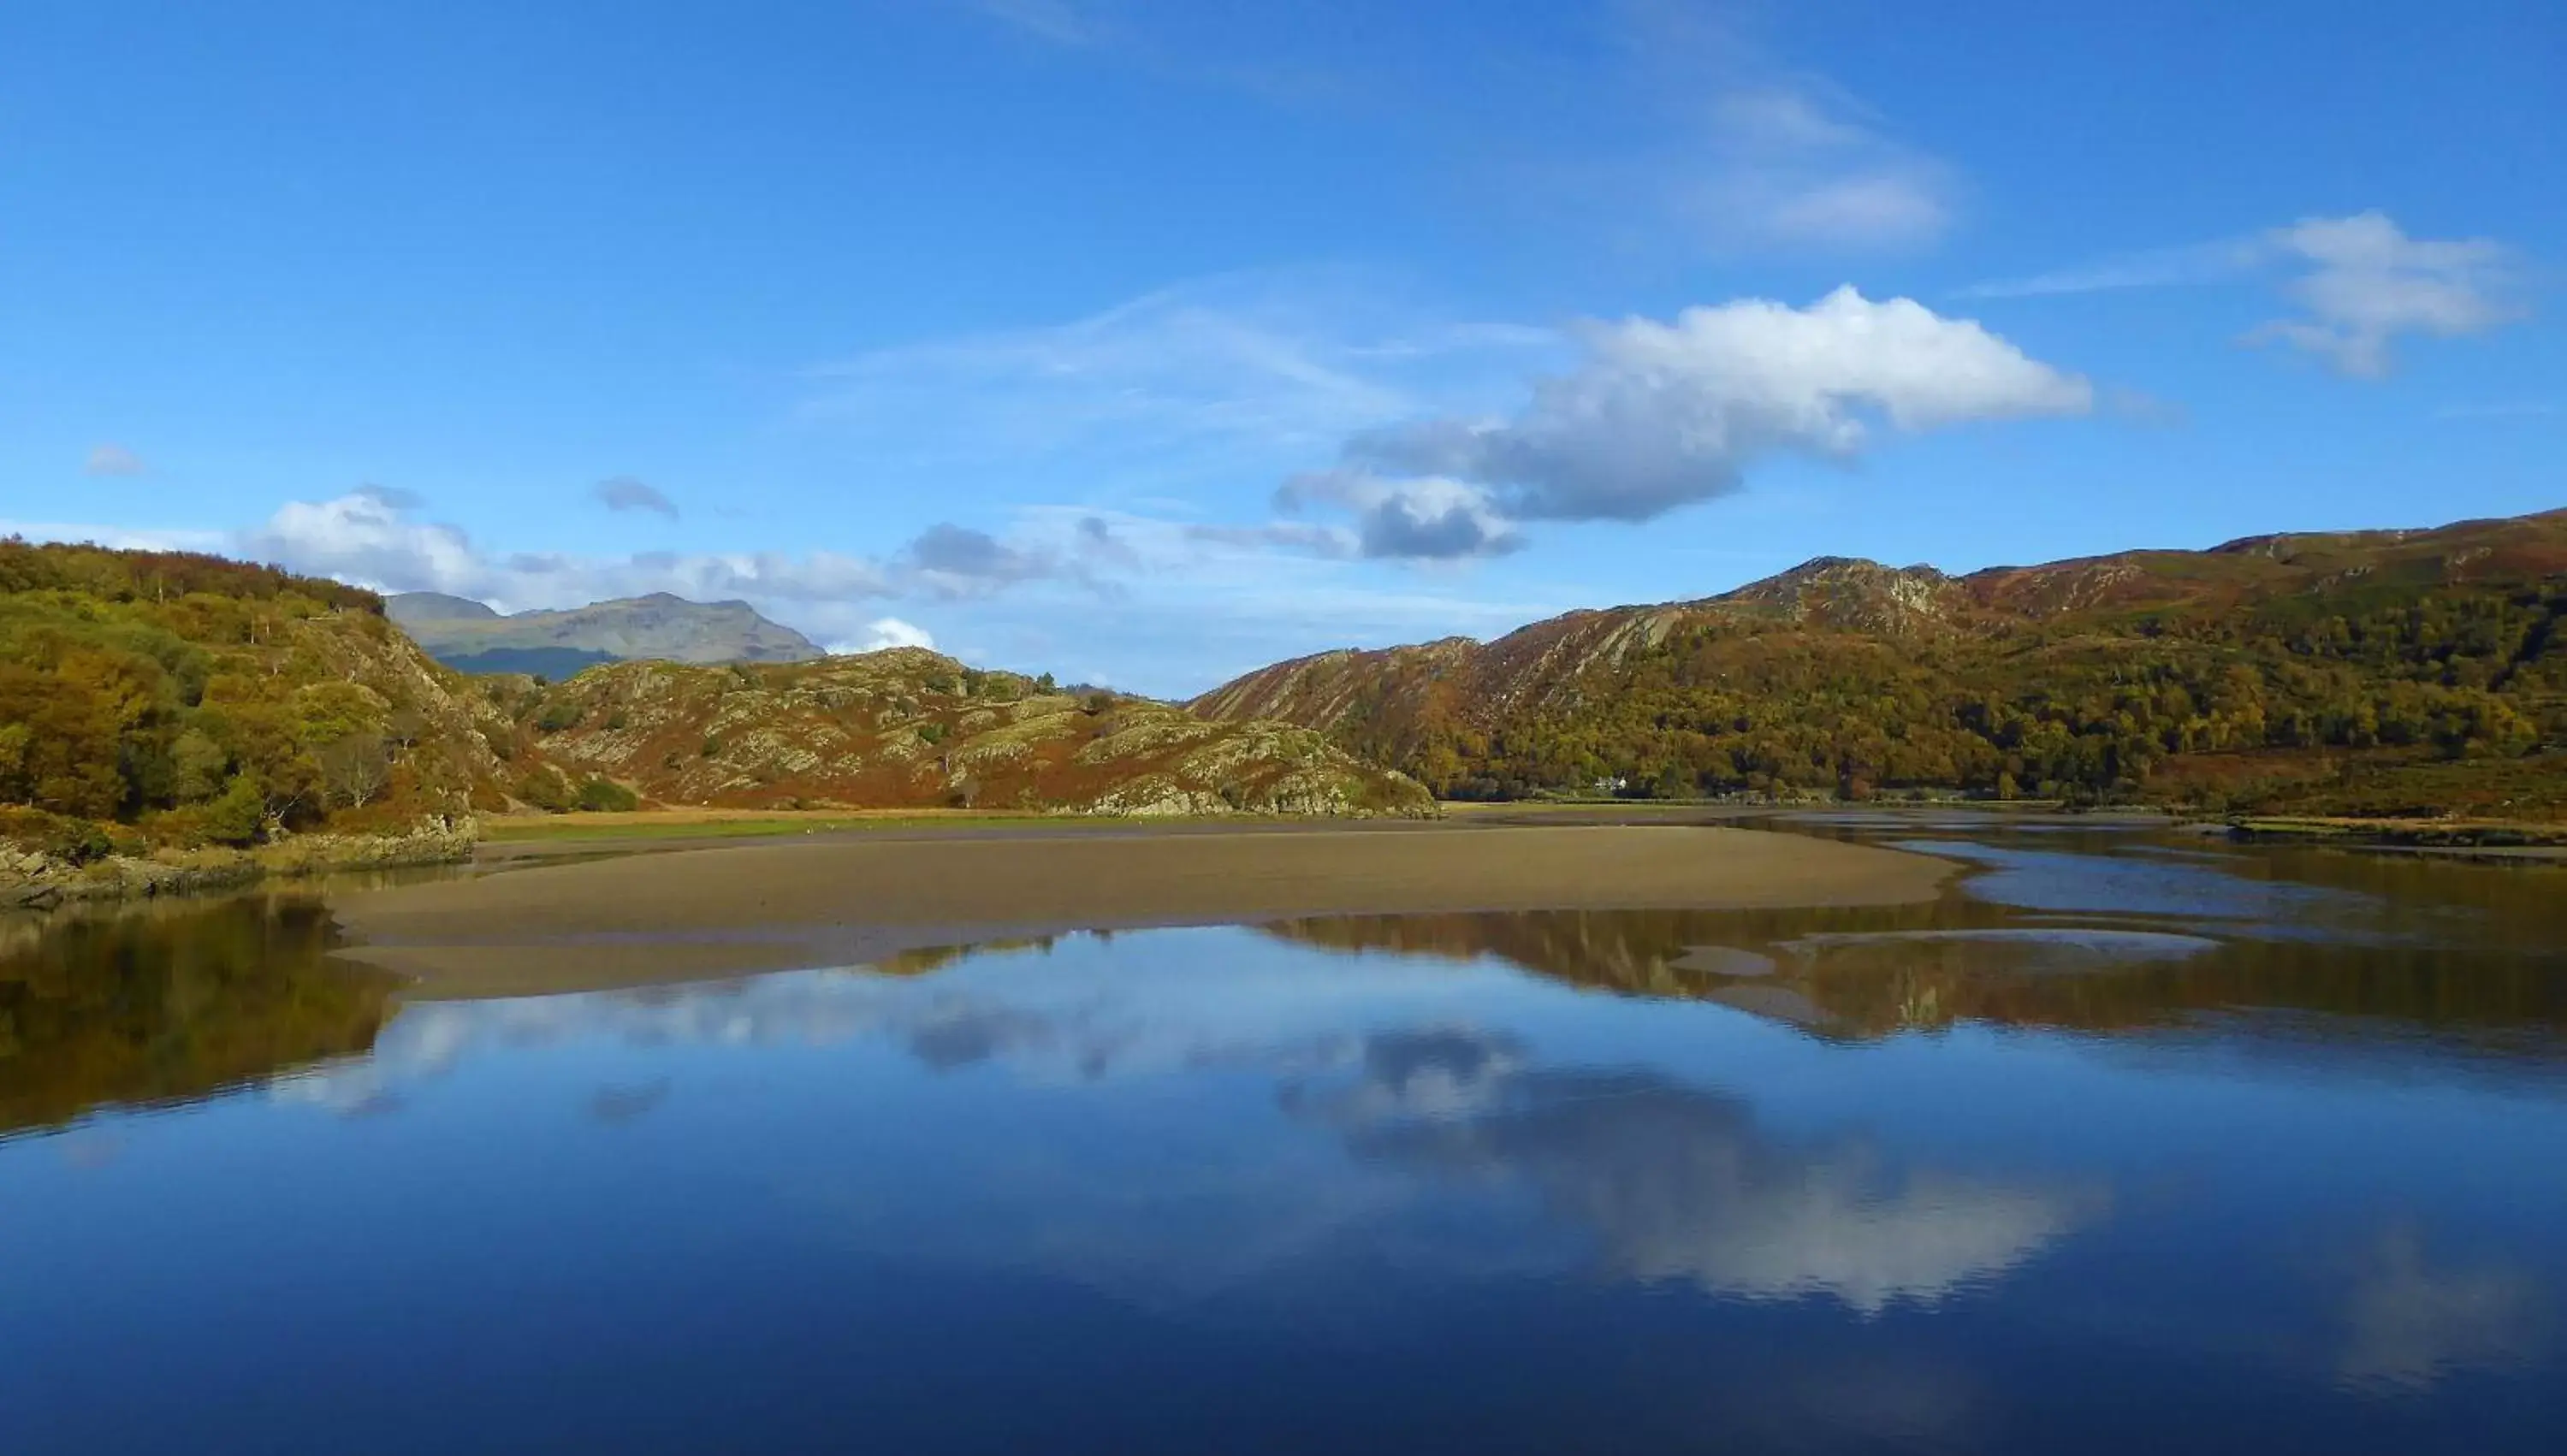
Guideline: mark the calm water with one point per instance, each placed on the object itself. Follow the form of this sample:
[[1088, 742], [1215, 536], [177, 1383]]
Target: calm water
[[2133, 1143]]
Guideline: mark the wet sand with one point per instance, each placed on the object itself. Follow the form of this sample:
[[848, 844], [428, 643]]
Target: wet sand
[[698, 913]]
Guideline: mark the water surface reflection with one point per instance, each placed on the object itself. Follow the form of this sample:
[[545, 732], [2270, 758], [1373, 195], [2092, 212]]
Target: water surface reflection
[[2034, 1168]]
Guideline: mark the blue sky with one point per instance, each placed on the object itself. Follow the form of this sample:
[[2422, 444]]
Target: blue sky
[[1146, 342]]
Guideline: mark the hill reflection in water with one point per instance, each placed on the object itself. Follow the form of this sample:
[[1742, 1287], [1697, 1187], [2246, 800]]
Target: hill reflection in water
[[172, 1001]]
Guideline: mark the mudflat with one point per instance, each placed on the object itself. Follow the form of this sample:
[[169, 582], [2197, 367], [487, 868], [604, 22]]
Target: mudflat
[[696, 913]]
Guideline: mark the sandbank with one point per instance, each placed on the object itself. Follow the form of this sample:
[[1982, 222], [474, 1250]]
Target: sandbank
[[698, 913]]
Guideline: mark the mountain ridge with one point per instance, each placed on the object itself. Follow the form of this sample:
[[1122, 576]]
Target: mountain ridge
[[2100, 678], [560, 642]]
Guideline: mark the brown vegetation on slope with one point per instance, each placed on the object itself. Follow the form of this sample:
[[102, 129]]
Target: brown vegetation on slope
[[908, 728], [2305, 671]]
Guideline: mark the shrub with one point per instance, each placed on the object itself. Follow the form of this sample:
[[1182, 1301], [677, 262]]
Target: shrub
[[546, 790], [75, 840], [238, 814], [558, 715], [605, 795]]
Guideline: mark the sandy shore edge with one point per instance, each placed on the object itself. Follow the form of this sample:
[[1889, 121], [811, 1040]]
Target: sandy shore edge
[[701, 913]]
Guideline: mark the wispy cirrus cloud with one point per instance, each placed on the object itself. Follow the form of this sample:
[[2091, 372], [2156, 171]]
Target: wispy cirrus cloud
[[2363, 283], [2360, 282], [2500, 409], [1677, 122], [1725, 146], [112, 459], [1057, 21], [1189, 389], [2221, 262]]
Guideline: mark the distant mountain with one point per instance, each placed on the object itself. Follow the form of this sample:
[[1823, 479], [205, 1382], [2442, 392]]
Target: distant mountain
[[438, 607], [471, 638], [2365, 672]]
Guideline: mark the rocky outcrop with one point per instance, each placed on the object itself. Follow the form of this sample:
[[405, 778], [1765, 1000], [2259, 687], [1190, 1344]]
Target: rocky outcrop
[[908, 728], [32, 879]]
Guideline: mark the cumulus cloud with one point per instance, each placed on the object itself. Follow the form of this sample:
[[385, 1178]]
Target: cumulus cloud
[[391, 498], [1426, 518], [887, 632], [622, 492], [112, 459], [2365, 283], [1660, 415]]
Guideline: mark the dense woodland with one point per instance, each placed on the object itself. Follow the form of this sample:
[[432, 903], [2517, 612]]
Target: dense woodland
[[1722, 707], [189, 699]]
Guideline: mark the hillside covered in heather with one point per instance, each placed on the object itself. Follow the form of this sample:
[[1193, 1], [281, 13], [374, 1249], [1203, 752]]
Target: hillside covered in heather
[[172, 703], [908, 728], [2380, 673], [186, 700]]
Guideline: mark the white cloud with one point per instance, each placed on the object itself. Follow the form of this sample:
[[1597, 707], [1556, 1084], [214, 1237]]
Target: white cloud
[[1177, 383], [1660, 415], [2211, 262], [2360, 279], [112, 459], [2366, 282], [121, 538], [370, 538], [887, 632], [1678, 1183], [623, 493], [1049, 20], [1755, 153]]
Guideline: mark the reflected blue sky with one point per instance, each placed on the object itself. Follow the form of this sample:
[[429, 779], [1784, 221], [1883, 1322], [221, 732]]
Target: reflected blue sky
[[1227, 1188]]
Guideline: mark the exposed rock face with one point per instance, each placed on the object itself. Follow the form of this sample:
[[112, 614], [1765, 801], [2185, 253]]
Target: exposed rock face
[[908, 728]]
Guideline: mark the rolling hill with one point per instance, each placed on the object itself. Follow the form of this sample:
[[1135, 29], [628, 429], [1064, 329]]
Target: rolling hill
[[170, 720], [2379, 671], [908, 728]]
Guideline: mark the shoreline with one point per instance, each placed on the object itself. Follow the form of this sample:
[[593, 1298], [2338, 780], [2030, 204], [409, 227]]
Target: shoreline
[[587, 924]]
